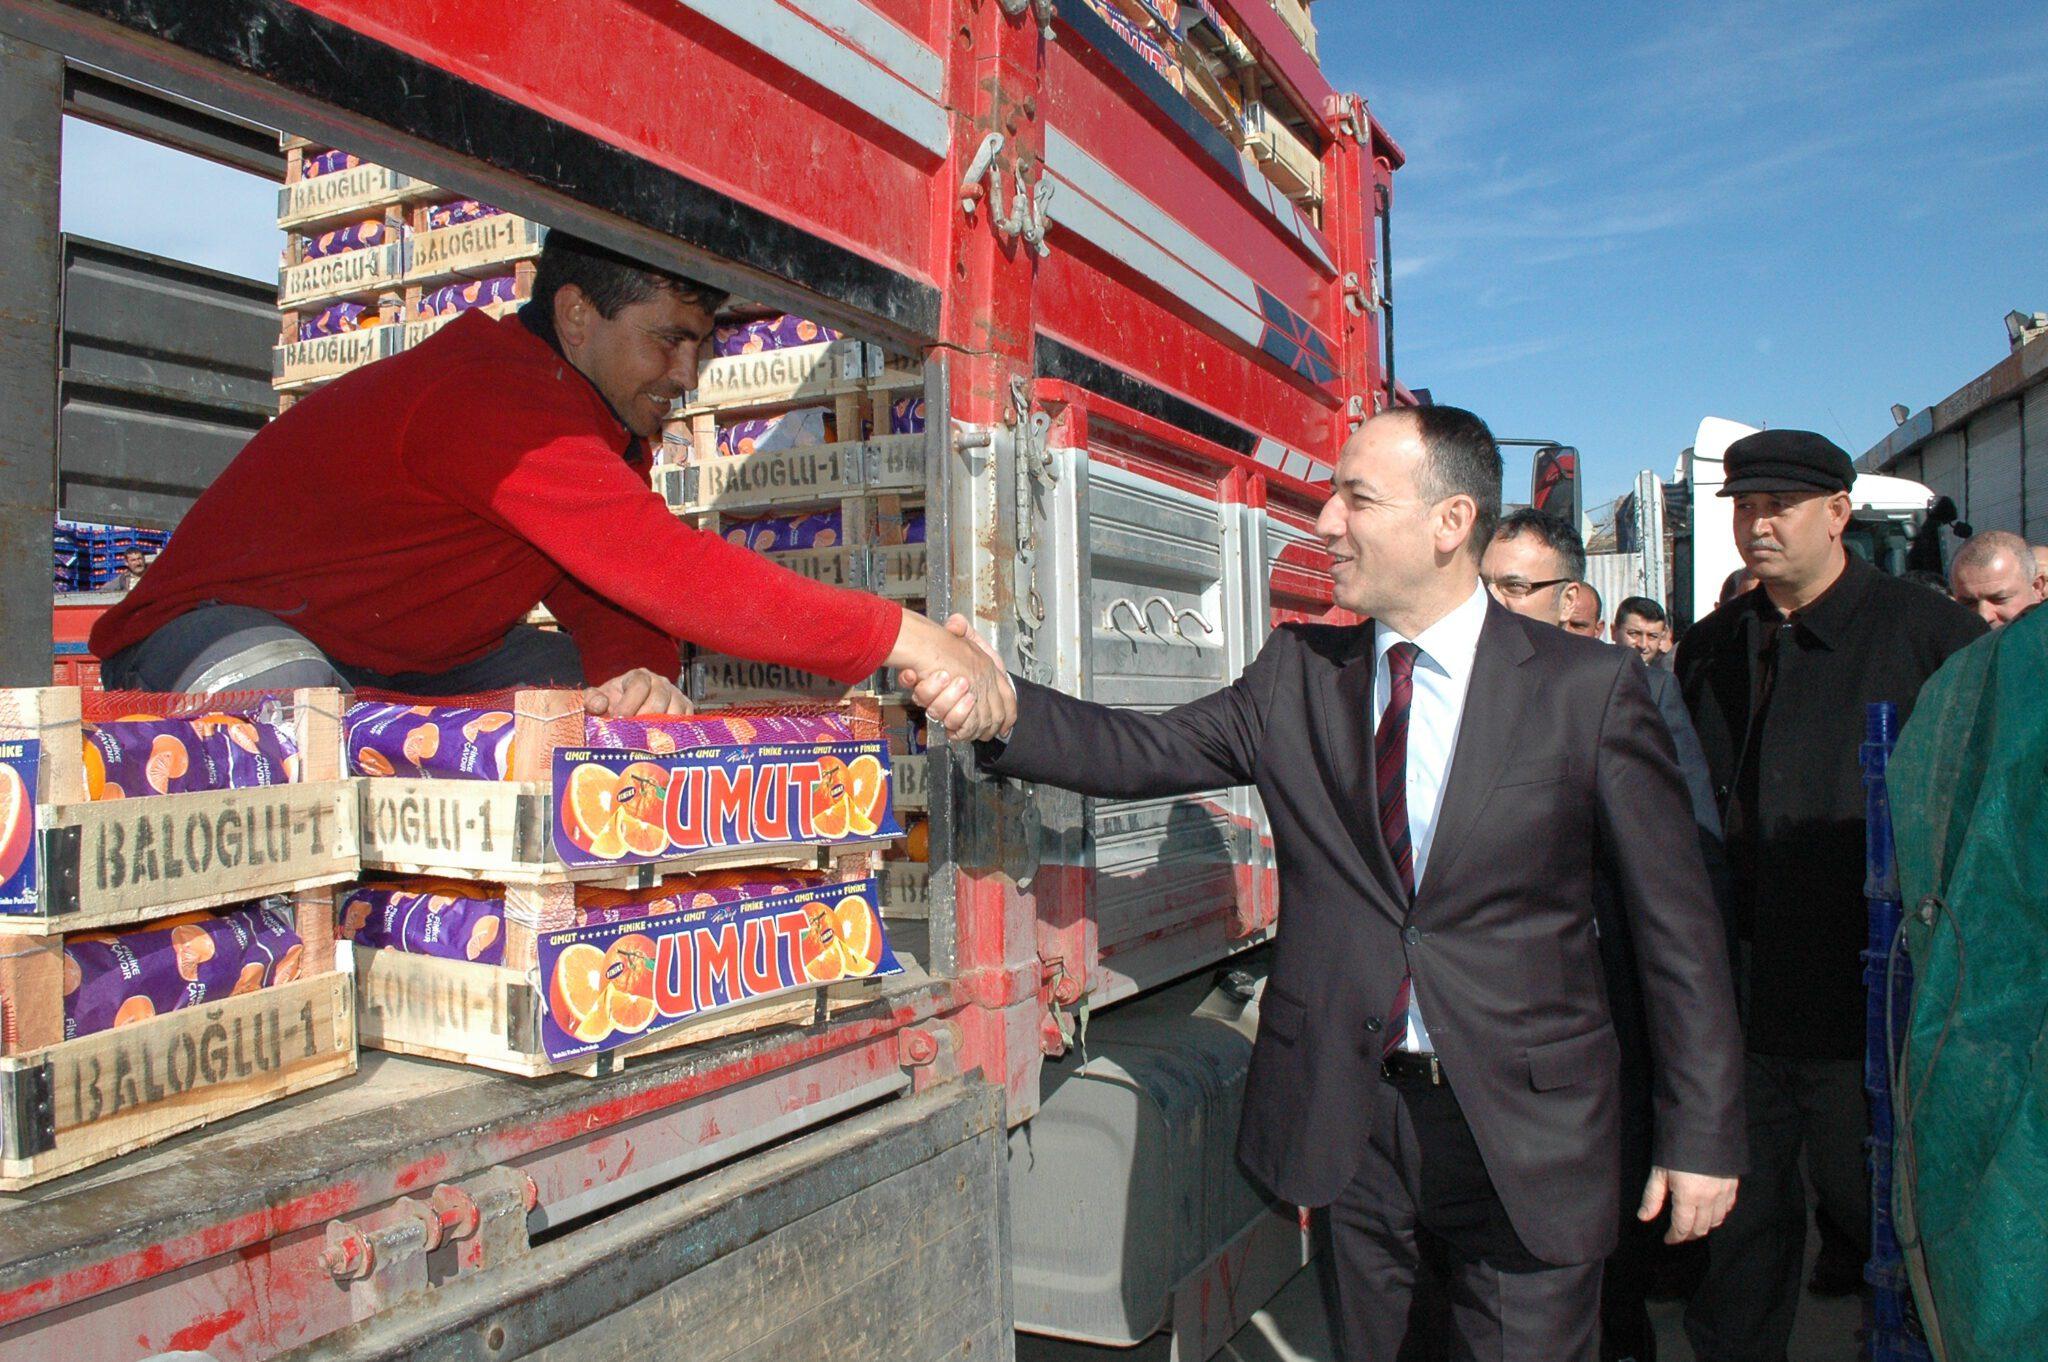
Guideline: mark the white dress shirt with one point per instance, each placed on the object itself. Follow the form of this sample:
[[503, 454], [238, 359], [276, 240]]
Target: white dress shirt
[[1436, 706]]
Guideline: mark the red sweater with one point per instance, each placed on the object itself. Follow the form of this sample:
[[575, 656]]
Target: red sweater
[[407, 515]]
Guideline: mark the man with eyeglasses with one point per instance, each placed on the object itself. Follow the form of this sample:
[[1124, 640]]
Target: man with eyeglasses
[[1534, 567], [396, 528]]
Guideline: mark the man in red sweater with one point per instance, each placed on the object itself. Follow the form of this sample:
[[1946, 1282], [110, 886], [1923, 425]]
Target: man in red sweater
[[395, 528]]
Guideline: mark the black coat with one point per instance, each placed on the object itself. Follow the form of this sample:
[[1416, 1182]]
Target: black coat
[[1561, 772], [1798, 851]]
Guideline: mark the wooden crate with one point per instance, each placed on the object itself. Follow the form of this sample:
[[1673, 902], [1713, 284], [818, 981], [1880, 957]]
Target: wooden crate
[[298, 366], [311, 203], [418, 328], [106, 863], [361, 273], [789, 479], [69, 1104], [906, 890], [1294, 13], [503, 830], [715, 678], [798, 374], [488, 1016], [468, 250], [1288, 162]]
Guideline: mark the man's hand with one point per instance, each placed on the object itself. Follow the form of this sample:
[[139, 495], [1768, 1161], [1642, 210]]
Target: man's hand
[[636, 692], [955, 678], [1699, 1202]]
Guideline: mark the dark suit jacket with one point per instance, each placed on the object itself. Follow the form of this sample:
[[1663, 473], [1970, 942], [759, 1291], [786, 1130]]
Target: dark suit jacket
[[1562, 769], [1798, 848]]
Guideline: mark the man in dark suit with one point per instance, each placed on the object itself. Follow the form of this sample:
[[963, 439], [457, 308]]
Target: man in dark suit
[[1436, 1066], [1534, 565]]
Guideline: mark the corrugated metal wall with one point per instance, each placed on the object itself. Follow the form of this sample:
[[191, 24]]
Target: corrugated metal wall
[[1995, 465]]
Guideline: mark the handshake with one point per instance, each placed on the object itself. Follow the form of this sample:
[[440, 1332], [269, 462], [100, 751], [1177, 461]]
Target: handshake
[[955, 678]]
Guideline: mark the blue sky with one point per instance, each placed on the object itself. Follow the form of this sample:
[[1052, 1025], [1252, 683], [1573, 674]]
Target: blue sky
[[1615, 219], [1619, 218]]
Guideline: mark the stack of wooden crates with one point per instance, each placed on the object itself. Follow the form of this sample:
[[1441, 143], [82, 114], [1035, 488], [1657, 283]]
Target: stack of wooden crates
[[110, 866], [874, 480], [389, 288]]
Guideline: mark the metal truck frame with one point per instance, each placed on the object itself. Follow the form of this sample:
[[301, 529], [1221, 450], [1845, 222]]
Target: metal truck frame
[[1140, 362]]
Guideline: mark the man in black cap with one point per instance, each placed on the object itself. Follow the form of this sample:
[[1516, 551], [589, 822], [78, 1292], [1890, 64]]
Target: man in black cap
[[1777, 681]]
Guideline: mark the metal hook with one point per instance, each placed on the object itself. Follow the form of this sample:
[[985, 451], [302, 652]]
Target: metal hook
[[1164, 604], [1110, 619], [1034, 227], [984, 160], [1208, 629]]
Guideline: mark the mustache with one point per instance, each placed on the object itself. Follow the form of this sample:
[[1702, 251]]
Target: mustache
[[1766, 544]]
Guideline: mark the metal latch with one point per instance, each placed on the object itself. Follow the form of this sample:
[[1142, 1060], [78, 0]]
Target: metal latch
[[533, 821], [60, 870], [1357, 297], [27, 1096], [483, 1216], [1026, 217]]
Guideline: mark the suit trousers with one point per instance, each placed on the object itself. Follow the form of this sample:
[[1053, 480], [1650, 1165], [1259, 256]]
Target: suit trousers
[[1422, 1203], [1743, 1310]]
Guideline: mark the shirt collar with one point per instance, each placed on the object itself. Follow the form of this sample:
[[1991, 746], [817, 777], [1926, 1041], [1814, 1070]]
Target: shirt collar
[[1827, 617], [1450, 644]]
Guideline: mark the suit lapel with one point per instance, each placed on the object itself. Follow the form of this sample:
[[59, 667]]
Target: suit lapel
[[1345, 718], [1494, 708]]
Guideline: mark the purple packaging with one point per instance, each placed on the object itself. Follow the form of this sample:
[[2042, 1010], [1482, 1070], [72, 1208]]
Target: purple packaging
[[332, 321], [450, 743], [177, 756], [502, 288], [662, 735], [913, 527], [460, 211], [769, 333], [906, 416], [354, 237], [797, 429], [778, 534], [328, 163], [114, 979], [441, 918]]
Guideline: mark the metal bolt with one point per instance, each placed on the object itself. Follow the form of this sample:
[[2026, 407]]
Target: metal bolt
[[920, 1047], [1067, 989], [348, 1254]]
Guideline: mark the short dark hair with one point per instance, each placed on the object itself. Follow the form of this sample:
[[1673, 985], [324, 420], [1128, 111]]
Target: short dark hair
[[1643, 608], [1559, 535], [609, 280], [1460, 457]]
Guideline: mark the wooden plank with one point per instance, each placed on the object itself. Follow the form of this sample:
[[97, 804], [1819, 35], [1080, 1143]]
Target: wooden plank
[[798, 373], [49, 715], [910, 780], [467, 1013], [301, 364], [900, 572], [418, 329], [716, 678], [472, 250], [906, 890], [31, 992], [148, 857], [122, 1089], [1287, 160], [353, 193], [350, 274]]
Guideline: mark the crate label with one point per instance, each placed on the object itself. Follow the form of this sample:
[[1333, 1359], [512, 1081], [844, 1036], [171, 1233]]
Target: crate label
[[334, 354], [214, 1047], [20, 856], [349, 272], [910, 773], [621, 807], [451, 247], [401, 817], [791, 371], [133, 847], [819, 469], [821, 565], [343, 189], [902, 570], [610, 985], [899, 461], [907, 889]]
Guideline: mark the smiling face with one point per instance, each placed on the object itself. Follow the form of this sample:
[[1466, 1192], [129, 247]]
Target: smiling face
[[1394, 555], [642, 359], [1650, 638], [1792, 541]]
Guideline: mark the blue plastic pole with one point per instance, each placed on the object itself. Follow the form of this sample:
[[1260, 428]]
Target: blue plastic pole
[[1890, 1326]]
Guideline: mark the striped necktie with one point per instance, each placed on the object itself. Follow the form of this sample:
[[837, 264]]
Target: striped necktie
[[1390, 753]]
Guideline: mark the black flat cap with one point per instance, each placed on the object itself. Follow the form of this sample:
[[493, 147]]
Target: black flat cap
[[1786, 461]]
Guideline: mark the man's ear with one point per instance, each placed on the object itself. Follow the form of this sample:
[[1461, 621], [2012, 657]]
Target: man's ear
[[1568, 600], [573, 314]]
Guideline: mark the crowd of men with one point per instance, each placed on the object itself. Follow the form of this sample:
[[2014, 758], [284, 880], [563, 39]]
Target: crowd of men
[[1698, 818], [1775, 681]]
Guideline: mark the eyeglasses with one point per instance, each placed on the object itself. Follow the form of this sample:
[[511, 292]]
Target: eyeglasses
[[1514, 588]]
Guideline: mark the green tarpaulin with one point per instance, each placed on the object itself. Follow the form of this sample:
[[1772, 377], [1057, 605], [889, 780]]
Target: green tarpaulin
[[1969, 788]]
